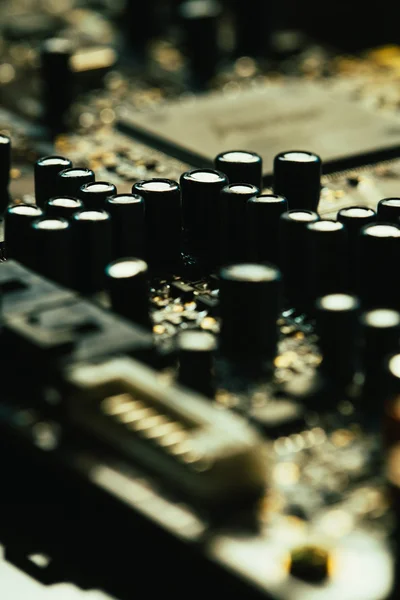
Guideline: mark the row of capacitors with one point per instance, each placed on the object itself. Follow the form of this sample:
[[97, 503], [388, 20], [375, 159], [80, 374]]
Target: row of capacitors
[[203, 214], [82, 234], [146, 223], [223, 224]]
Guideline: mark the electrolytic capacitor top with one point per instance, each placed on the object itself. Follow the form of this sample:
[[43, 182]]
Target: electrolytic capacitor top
[[354, 218], [389, 210], [63, 206], [57, 83], [47, 184], [200, 22], [196, 350], [233, 213], [162, 201], [297, 177], [71, 180], [250, 300], [337, 326], [327, 245], [52, 249], [263, 217], [92, 238], [200, 205], [378, 250], [127, 281], [295, 255], [128, 224], [241, 166], [18, 233], [95, 193]]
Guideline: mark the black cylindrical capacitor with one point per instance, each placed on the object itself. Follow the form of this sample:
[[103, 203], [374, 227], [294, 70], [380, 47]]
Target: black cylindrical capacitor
[[163, 220], [95, 193], [127, 281], [294, 255], [252, 22], [128, 224], [241, 166], [63, 206], [250, 300], [378, 251], [263, 217], [337, 326], [47, 169], [200, 205], [18, 233], [200, 23], [195, 355], [297, 177], [380, 337], [52, 249], [327, 242], [57, 83], [5, 166], [354, 219], [92, 237], [139, 19], [389, 210], [70, 181], [233, 211]]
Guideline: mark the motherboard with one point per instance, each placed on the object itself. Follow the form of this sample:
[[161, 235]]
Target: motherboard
[[200, 307]]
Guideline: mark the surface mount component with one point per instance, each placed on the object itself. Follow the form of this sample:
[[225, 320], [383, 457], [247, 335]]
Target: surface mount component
[[265, 120], [24, 291], [70, 331]]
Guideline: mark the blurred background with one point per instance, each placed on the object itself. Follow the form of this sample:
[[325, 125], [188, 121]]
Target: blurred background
[[172, 46]]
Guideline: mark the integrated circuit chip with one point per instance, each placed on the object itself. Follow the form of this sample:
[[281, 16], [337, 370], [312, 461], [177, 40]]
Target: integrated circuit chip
[[268, 118]]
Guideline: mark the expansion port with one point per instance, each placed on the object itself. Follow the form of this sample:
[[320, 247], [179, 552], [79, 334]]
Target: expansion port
[[209, 455]]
